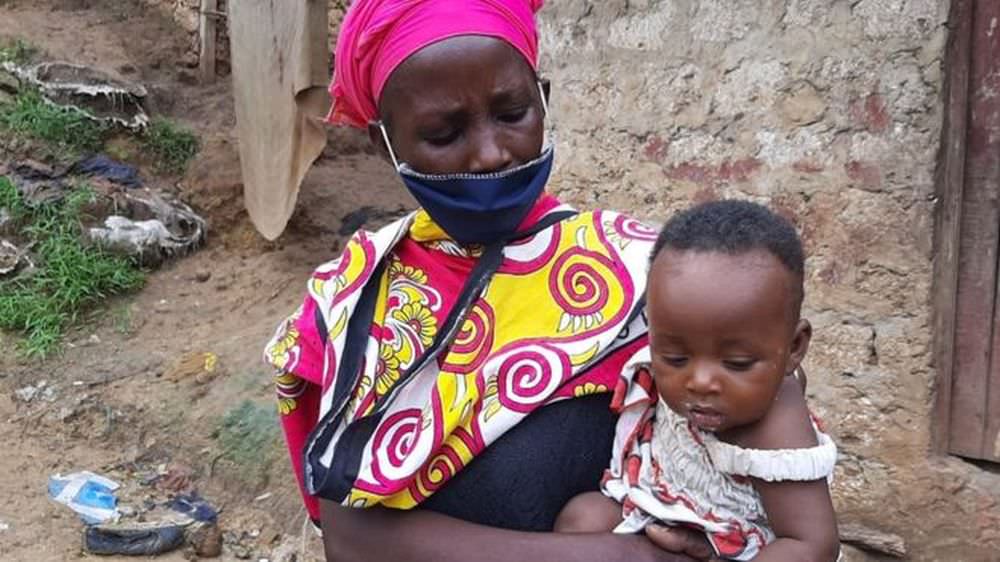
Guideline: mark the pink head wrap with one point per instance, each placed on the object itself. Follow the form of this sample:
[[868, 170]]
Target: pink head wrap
[[378, 35]]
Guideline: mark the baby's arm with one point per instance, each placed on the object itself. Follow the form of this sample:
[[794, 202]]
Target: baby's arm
[[800, 513], [591, 512]]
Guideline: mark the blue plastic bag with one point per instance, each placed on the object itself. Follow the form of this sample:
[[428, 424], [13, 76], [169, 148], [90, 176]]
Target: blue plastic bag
[[91, 496]]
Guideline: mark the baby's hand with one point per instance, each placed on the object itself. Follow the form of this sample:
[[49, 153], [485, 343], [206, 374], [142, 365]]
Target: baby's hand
[[681, 541]]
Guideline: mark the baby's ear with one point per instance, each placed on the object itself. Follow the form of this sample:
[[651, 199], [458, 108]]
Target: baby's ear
[[800, 344]]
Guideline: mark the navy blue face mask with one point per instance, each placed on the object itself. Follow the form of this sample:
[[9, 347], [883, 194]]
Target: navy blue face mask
[[478, 208]]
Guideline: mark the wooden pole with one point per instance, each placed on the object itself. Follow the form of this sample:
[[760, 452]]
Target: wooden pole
[[207, 34]]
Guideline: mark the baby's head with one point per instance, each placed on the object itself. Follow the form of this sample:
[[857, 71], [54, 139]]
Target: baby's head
[[724, 298]]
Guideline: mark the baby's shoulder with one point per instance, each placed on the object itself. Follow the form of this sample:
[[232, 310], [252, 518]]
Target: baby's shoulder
[[785, 445]]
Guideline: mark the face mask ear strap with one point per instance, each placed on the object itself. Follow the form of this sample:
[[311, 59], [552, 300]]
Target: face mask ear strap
[[388, 145], [545, 102]]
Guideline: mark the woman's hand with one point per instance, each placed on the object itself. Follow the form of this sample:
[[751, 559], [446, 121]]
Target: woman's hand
[[681, 541]]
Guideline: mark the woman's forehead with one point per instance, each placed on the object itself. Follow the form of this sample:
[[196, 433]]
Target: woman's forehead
[[444, 72]]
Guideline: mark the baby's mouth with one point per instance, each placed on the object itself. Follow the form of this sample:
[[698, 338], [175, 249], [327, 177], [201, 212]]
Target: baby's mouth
[[705, 417]]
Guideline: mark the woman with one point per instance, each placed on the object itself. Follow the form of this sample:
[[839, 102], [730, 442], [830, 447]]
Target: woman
[[445, 385]]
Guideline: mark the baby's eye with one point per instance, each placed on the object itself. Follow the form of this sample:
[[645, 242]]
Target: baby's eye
[[674, 360], [740, 364]]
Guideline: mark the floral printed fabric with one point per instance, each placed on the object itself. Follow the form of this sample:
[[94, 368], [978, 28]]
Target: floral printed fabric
[[558, 320]]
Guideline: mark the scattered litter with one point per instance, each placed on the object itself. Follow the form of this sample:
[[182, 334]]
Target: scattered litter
[[40, 390], [95, 93], [104, 167], [89, 495], [156, 229], [177, 478], [202, 366], [140, 223], [195, 508], [37, 183], [4, 527], [26, 394], [13, 259], [133, 539], [262, 497]]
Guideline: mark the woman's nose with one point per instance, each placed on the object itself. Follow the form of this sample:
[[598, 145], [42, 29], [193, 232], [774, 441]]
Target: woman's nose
[[488, 152]]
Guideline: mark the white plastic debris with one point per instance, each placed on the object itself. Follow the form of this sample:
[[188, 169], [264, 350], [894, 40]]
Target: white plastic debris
[[174, 230], [91, 496]]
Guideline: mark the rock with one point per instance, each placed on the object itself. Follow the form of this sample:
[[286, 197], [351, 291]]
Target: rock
[[242, 552], [287, 551], [206, 539], [8, 82], [867, 538], [803, 106], [66, 414], [26, 394], [203, 276]]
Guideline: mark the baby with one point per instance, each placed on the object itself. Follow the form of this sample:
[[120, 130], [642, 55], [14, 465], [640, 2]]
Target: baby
[[730, 447]]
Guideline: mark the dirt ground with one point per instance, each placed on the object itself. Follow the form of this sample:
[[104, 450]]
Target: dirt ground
[[110, 408]]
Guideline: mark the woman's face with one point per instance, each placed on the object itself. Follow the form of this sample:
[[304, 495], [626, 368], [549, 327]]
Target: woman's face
[[467, 104]]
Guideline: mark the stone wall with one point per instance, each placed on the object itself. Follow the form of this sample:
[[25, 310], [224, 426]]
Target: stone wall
[[831, 111], [187, 15]]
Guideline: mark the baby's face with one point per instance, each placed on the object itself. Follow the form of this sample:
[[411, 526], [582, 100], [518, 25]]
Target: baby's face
[[723, 334]]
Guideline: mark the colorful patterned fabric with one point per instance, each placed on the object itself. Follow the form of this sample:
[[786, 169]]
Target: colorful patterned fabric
[[664, 469], [558, 320]]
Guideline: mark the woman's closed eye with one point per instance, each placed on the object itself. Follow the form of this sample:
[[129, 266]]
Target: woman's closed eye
[[443, 137], [515, 115]]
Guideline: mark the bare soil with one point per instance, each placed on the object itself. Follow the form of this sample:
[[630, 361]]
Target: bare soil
[[116, 404]]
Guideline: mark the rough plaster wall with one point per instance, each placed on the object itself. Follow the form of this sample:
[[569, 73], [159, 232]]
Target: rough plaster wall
[[830, 111]]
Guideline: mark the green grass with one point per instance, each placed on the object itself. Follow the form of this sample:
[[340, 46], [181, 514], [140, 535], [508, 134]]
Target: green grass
[[66, 132], [171, 145], [70, 277], [250, 437], [17, 51]]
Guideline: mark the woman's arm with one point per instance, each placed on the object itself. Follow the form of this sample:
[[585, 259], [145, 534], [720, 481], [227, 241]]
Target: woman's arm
[[374, 535]]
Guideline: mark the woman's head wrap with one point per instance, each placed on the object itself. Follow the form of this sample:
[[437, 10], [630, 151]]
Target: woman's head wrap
[[378, 35]]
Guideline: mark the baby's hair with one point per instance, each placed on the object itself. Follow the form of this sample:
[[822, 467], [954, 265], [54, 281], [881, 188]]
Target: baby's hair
[[735, 227]]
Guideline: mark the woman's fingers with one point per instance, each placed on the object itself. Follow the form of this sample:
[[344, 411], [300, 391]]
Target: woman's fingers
[[685, 541]]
